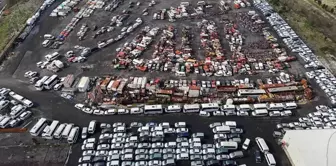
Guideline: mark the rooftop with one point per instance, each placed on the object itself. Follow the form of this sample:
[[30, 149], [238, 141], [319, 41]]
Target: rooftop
[[311, 147]]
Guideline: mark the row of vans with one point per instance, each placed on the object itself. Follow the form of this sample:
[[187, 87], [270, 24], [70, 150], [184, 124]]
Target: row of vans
[[6, 121], [265, 149]]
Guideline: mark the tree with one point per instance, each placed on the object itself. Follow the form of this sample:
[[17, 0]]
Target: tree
[[319, 2]]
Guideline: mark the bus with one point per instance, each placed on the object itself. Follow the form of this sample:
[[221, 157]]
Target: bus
[[262, 144], [275, 106], [153, 109], [39, 84], [259, 106], [67, 130], [72, 138], [5, 122], [251, 92], [49, 84], [210, 107], [52, 128], [38, 127], [173, 108], [290, 105], [187, 108], [58, 132], [260, 112]]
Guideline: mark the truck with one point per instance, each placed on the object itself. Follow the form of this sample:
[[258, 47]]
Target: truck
[[83, 84], [121, 87], [115, 85]]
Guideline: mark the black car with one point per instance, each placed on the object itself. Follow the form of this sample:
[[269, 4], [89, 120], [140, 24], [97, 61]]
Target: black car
[[229, 163], [104, 141], [257, 156]]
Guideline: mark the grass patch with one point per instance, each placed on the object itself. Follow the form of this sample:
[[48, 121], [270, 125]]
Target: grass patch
[[12, 23], [319, 42]]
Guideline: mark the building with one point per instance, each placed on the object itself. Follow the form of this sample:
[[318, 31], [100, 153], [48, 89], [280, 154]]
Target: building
[[310, 147], [83, 84]]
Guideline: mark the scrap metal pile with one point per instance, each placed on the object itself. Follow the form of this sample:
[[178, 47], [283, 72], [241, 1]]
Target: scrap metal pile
[[210, 40]]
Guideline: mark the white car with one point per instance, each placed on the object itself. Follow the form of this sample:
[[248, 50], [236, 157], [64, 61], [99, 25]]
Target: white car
[[79, 106], [242, 113], [219, 113], [98, 112], [204, 113], [180, 124], [30, 74]]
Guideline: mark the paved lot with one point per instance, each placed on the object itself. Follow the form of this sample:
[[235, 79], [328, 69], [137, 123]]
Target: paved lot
[[51, 106]]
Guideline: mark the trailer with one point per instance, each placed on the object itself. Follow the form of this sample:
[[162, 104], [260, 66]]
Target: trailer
[[143, 82], [83, 84], [121, 87]]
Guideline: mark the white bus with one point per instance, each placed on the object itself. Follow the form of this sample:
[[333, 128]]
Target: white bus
[[49, 84], [210, 107], [290, 105], [262, 144], [191, 108], [270, 159], [5, 122], [52, 128], [67, 130], [260, 106], [173, 108], [227, 145], [243, 107], [17, 110], [52, 56], [27, 103], [38, 127], [260, 112], [153, 109], [72, 138], [275, 106], [230, 107], [59, 130], [39, 84], [92, 126]]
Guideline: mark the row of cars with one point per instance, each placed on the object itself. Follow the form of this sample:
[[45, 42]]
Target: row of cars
[[138, 146], [326, 80], [323, 118], [14, 112], [322, 76]]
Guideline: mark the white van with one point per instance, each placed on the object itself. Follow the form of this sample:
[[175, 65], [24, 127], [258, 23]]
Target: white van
[[260, 112], [48, 37], [92, 126], [262, 144], [270, 159], [221, 129], [290, 105], [244, 107], [246, 144], [123, 111], [231, 124]]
